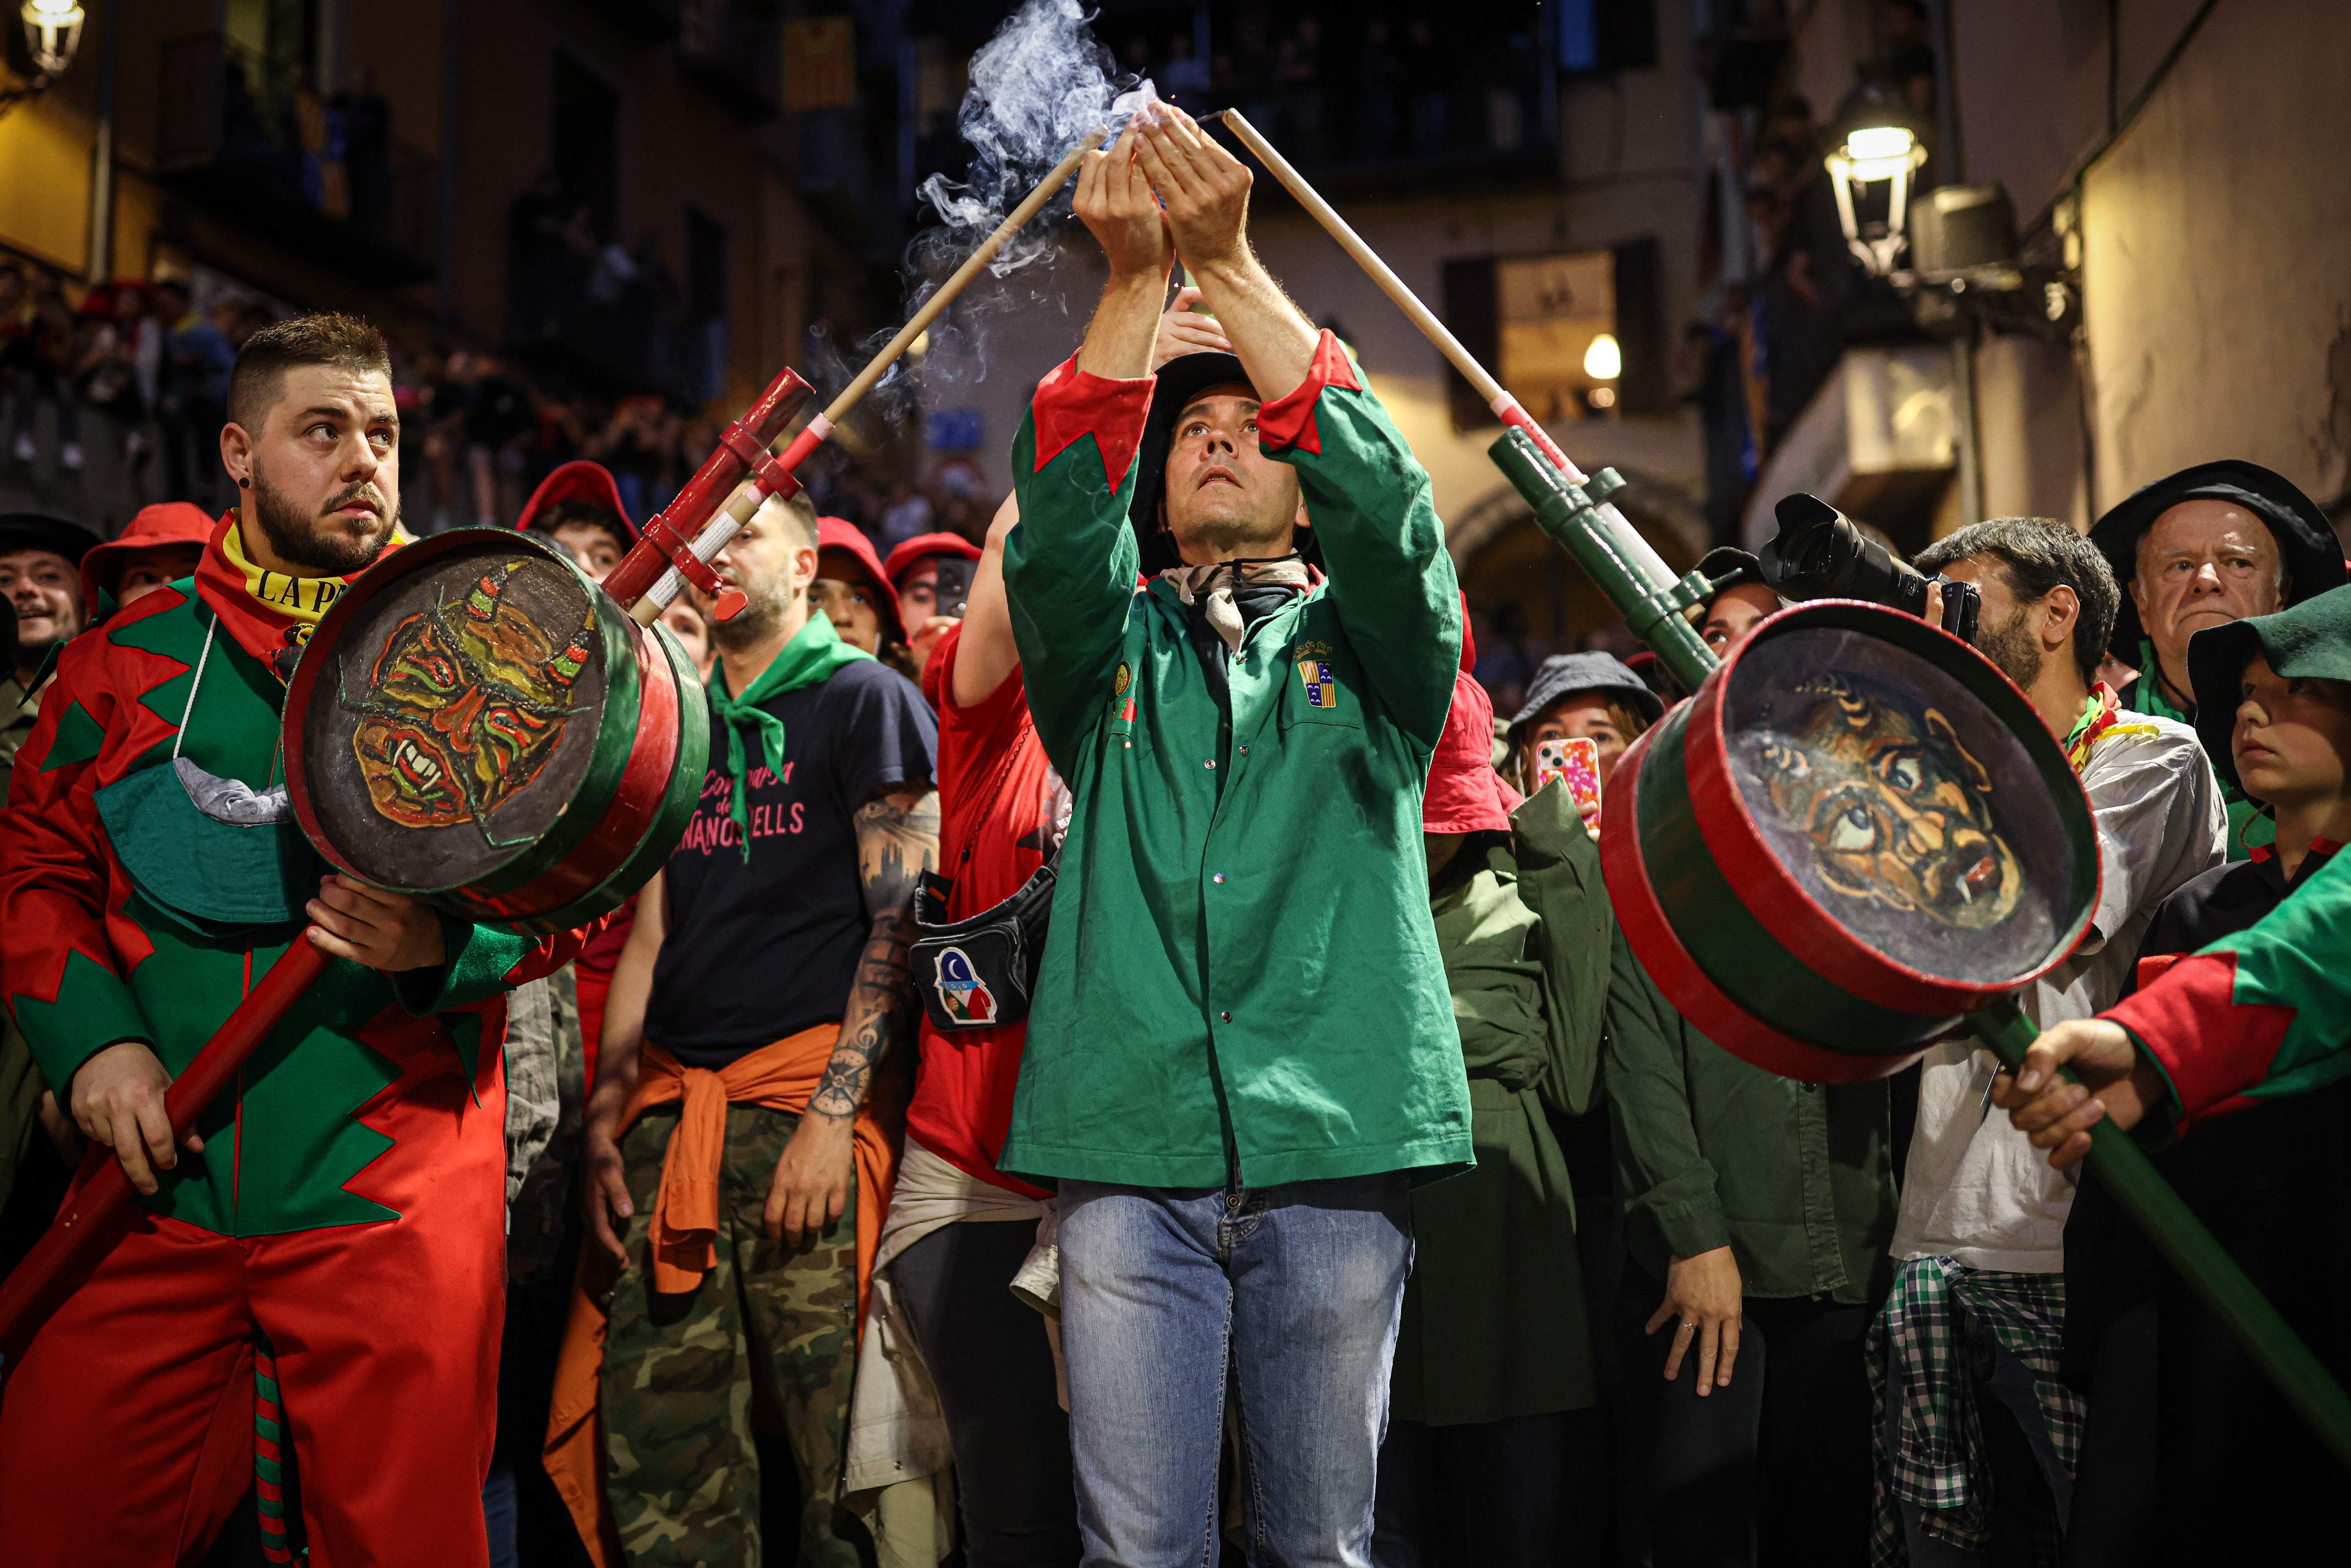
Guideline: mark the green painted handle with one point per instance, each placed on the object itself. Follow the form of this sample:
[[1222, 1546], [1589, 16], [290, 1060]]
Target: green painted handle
[[1620, 563], [2190, 1248]]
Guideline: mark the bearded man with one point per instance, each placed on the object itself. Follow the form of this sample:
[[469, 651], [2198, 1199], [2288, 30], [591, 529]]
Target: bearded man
[[1980, 1241], [1242, 1047], [311, 1279], [741, 1137], [2213, 543]]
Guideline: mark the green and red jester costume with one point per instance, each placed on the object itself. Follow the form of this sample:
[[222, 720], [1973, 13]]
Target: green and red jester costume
[[346, 1215]]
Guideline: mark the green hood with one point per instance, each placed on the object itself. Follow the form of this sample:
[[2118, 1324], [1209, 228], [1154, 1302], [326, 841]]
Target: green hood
[[2310, 640]]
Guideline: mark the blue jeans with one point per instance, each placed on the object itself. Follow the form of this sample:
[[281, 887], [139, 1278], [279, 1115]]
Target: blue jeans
[[1290, 1292]]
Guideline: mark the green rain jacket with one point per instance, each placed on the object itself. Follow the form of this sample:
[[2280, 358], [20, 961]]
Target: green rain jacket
[[1242, 980], [1495, 1322], [1797, 1180]]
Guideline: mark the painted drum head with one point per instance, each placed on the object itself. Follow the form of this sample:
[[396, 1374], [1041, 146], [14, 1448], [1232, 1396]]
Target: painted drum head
[[476, 723], [1901, 805], [1857, 834]]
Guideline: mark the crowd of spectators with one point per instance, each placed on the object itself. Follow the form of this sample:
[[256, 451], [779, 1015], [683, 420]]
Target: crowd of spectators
[[111, 398]]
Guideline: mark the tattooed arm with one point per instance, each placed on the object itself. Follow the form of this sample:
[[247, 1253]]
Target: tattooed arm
[[897, 840]]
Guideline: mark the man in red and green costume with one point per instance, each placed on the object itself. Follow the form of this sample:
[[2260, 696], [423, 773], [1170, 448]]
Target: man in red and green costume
[[314, 1281]]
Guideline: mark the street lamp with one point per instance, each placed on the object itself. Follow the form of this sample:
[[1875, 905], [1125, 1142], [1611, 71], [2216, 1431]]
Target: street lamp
[[52, 34], [1876, 148], [1604, 361]]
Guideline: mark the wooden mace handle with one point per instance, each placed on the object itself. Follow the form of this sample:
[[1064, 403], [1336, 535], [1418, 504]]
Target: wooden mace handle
[[747, 501]]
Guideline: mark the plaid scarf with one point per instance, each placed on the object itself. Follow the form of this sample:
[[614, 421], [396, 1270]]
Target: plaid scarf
[[1214, 586], [1949, 1335]]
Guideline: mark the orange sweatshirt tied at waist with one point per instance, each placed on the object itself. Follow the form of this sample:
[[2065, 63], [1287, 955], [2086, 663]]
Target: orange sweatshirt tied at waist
[[684, 1225]]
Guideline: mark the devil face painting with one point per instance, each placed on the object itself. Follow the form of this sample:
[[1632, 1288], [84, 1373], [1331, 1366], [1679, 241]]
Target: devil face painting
[[1897, 811], [466, 708]]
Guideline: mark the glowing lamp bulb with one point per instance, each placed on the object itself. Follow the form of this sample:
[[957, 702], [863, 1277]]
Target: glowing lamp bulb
[[52, 33], [1603, 361], [1871, 143]]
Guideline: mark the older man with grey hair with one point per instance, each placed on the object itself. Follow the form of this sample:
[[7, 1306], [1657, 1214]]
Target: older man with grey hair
[[2213, 543]]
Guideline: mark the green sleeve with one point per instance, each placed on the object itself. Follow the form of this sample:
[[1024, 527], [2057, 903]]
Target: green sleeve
[[2260, 1015], [1558, 878], [1070, 564], [93, 1008], [1664, 1175], [481, 964], [1383, 545]]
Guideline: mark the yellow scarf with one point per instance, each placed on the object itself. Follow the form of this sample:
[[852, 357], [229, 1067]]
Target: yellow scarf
[[299, 599]]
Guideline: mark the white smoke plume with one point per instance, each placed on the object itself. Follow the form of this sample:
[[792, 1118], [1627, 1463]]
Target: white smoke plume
[[1038, 87]]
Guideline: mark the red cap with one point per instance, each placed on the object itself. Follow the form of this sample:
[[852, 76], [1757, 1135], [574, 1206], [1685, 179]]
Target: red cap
[[579, 480], [1465, 794], [165, 523], [904, 558], [839, 533]]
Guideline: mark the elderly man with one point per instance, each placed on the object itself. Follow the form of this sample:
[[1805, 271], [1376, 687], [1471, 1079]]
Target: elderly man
[[1980, 1241], [2218, 542], [1242, 1043]]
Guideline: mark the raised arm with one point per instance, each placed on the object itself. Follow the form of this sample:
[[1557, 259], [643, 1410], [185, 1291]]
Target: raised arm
[[1206, 189], [1367, 496], [986, 654], [1069, 563], [897, 841]]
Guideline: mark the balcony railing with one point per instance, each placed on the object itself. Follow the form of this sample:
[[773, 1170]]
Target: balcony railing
[[247, 139]]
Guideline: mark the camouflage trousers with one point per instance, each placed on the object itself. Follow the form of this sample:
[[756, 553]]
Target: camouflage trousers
[[682, 1470]]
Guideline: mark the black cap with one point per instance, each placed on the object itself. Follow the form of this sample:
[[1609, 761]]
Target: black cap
[[38, 530], [1180, 380], [1564, 675], [2306, 539]]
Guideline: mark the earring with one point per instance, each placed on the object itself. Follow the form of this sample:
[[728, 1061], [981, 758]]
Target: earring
[[245, 484]]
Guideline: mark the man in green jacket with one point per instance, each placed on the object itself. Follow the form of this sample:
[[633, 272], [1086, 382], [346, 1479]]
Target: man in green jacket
[[1241, 1043]]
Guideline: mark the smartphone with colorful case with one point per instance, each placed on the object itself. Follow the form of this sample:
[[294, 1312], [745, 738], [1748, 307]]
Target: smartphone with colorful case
[[1575, 759]]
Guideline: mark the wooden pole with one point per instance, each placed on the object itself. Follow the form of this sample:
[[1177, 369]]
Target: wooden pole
[[746, 501], [1506, 407]]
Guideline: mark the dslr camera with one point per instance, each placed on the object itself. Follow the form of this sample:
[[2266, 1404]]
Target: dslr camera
[[1821, 553]]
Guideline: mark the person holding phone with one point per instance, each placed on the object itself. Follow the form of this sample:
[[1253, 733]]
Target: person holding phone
[[932, 576], [1592, 696]]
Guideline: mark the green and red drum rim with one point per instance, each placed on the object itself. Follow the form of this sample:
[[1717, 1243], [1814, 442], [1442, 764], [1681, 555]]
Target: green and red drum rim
[[1739, 944], [631, 803]]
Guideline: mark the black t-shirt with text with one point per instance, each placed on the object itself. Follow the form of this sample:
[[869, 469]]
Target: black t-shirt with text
[[756, 952]]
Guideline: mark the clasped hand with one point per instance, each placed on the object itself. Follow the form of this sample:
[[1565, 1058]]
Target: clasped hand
[[1164, 189]]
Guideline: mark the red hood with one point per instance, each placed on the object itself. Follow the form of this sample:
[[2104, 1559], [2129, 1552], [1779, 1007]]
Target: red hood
[[165, 523], [902, 558], [1465, 794], [839, 533], [579, 480]]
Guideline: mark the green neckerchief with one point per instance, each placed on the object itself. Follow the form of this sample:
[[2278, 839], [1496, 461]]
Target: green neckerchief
[[2149, 695], [812, 655]]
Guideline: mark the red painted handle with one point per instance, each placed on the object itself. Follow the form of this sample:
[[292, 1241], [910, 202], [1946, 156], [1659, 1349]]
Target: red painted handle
[[94, 1209], [1516, 414]]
